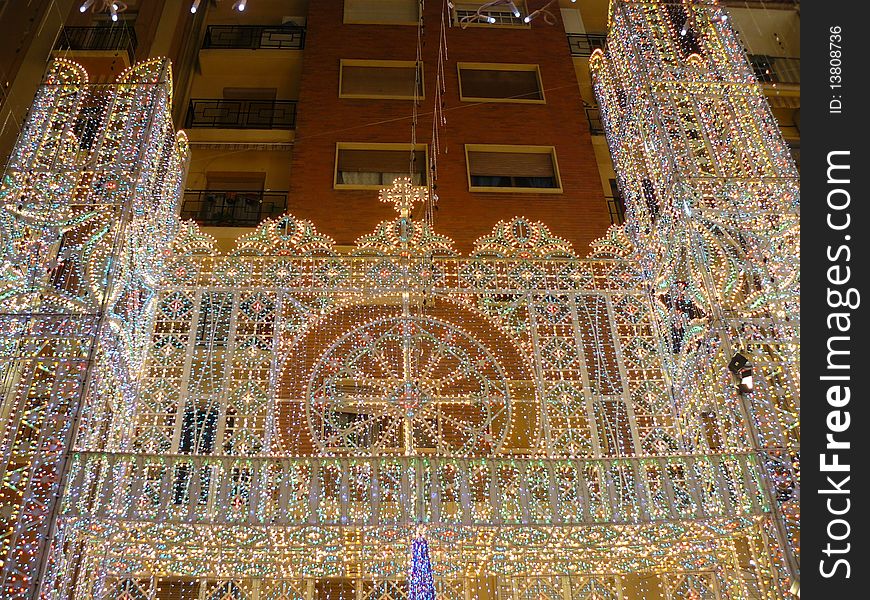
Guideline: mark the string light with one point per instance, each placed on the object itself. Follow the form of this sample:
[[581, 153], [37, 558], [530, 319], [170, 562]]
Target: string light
[[113, 7], [285, 415], [726, 270]]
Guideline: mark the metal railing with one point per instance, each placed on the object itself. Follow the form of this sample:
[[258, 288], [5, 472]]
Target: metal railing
[[243, 208], [616, 208], [254, 37], [381, 490], [593, 115], [583, 44], [241, 114], [776, 69], [112, 37]]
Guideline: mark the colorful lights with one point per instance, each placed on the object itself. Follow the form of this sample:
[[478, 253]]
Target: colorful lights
[[284, 416], [713, 211]]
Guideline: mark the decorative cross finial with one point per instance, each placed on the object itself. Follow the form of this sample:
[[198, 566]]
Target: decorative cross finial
[[403, 194]]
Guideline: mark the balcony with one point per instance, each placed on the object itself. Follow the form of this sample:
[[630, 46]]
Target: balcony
[[254, 37], [218, 113], [584, 44], [98, 39], [366, 491], [593, 116], [776, 69], [616, 208], [242, 208]]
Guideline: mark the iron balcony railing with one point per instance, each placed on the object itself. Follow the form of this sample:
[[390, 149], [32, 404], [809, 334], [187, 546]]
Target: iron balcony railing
[[112, 37], [243, 208], [776, 69], [584, 44], [241, 114], [593, 115], [254, 37], [616, 208]]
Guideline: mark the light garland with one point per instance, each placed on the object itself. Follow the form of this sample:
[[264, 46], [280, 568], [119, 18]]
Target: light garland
[[286, 415], [713, 209], [113, 7], [484, 12]]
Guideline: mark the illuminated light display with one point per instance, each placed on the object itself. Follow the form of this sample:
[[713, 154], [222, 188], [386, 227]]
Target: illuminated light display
[[713, 202], [422, 584], [88, 206], [278, 421]]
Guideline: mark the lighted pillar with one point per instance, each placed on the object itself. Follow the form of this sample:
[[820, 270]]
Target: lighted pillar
[[712, 198], [88, 206]]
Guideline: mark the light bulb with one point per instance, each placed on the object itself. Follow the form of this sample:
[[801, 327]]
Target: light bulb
[[85, 5], [194, 6], [115, 18], [490, 19], [528, 19], [242, 6]]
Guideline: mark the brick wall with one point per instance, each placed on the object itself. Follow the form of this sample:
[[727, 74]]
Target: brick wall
[[579, 214]]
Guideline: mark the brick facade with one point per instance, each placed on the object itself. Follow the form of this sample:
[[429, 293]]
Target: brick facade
[[579, 213]]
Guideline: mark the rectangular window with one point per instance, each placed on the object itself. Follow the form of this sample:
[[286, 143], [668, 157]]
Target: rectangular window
[[482, 82], [380, 79], [373, 166], [381, 12], [512, 169]]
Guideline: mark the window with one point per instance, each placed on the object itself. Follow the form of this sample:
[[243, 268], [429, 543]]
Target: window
[[382, 12], [373, 166], [465, 14], [482, 82], [380, 79], [512, 169]]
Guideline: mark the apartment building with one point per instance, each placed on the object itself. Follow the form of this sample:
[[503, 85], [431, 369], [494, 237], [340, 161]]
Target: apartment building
[[369, 329]]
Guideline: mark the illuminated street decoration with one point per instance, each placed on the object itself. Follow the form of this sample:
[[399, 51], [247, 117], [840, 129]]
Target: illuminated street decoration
[[260, 423], [713, 203], [422, 585], [88, 204]]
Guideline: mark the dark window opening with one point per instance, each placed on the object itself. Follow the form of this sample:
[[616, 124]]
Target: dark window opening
[[687, 39], [649, 195], [213, 327]]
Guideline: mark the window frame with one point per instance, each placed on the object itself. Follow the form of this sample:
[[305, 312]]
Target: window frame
[[518, 67], [404, 146], [513, 149], [354, 62]]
